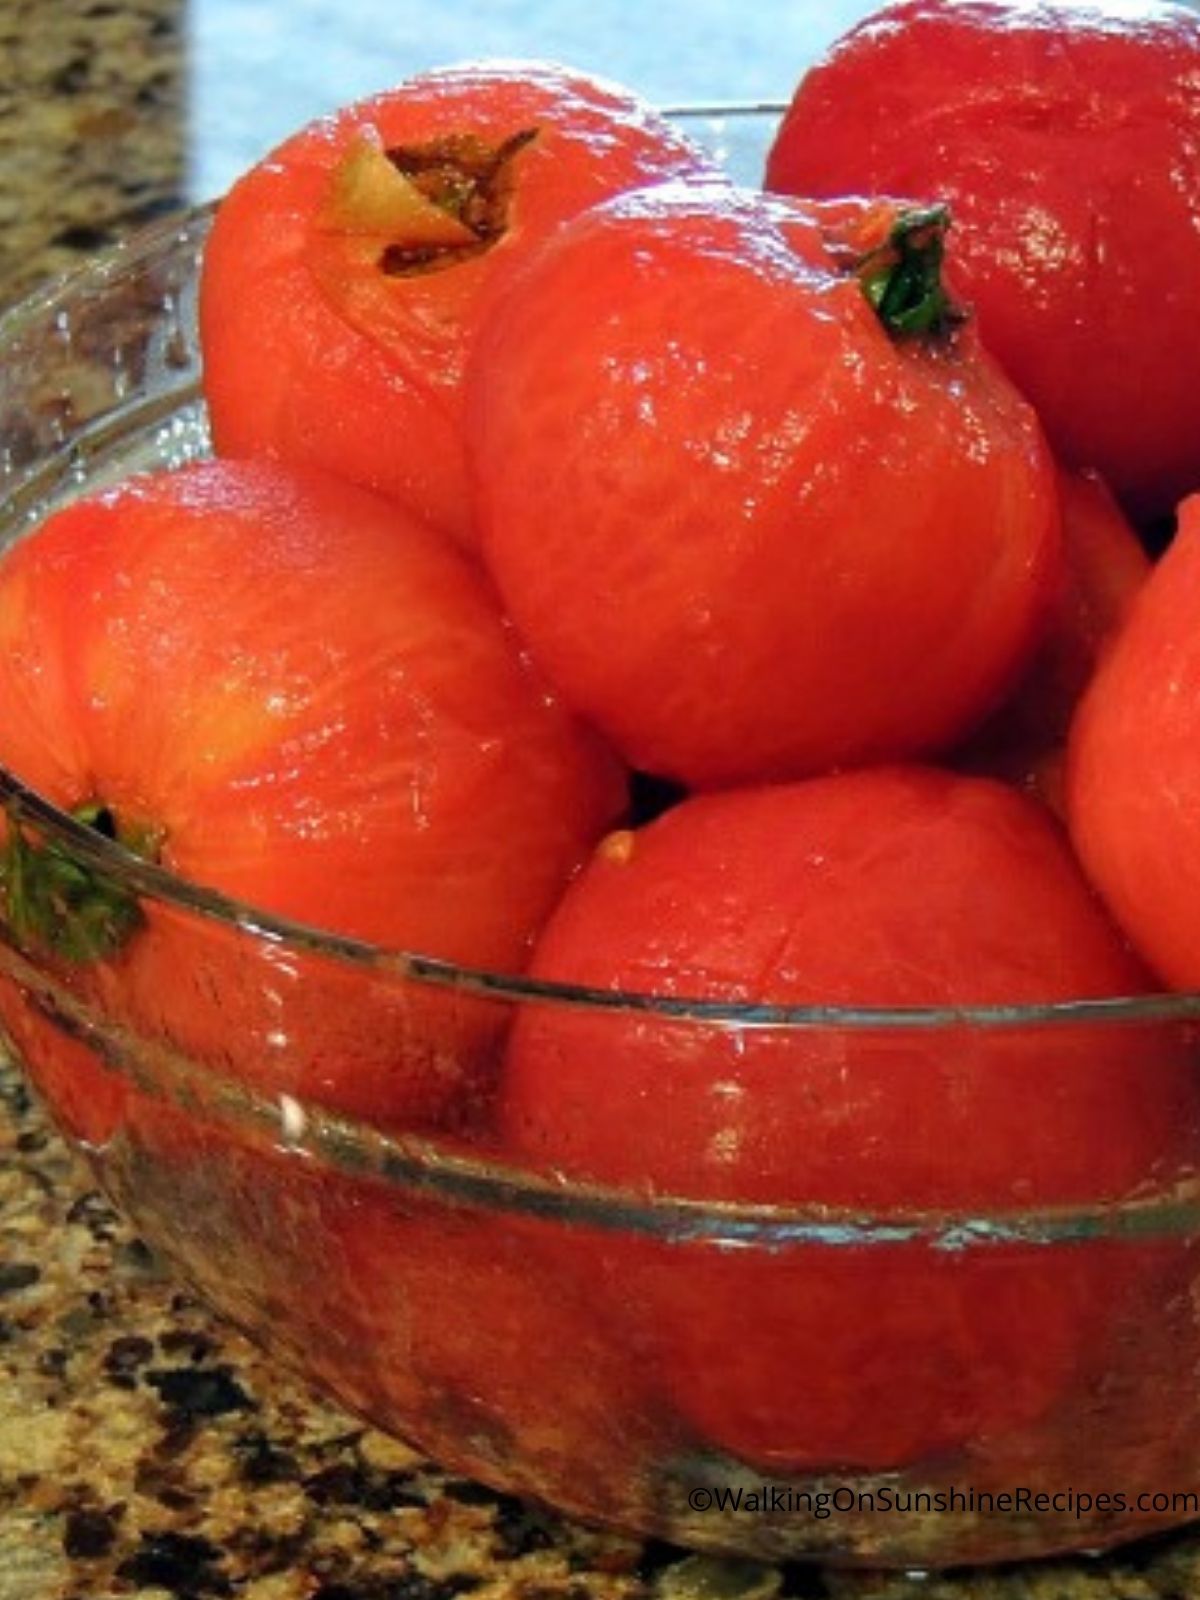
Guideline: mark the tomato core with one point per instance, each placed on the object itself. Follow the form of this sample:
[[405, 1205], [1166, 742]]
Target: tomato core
[[466, 178]]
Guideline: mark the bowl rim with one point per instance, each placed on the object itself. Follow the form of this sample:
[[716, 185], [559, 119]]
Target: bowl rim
[[152, 881], [187, 227], [431, 1165]]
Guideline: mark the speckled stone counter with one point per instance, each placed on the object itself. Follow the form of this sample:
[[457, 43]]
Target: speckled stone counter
[[91, 127], [145, 1449]]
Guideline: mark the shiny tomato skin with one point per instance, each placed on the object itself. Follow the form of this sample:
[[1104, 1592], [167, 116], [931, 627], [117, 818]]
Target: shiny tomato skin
[[899, 886], [742, 529], [1133, 766], [1060, 136], [887, 887], [1104, 569], [308, 701], [313, 355]]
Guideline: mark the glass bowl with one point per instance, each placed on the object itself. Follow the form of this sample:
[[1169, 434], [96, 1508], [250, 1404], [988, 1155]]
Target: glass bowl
[[907, 1387]]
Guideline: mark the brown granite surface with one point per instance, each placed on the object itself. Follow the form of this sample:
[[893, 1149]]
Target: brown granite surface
[[91, 127], [145, 1449]]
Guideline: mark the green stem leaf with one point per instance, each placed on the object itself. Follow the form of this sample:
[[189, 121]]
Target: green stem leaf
[[902, 278], [59, 906]]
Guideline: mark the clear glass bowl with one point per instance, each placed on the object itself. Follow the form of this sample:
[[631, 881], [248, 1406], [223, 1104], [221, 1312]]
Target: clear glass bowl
[[907, 1388]]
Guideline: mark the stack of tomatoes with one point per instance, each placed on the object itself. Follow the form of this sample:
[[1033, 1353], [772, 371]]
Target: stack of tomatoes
[[546, 458]]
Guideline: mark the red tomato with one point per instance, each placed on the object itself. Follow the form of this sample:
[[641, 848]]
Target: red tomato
[[285, 689], [1133, 768], [1063, 138], [522, 1377], [893, 1355], [1104, 570], [347, 272], [88, 1097], [473, 1334], [746, 527], [889, 887]]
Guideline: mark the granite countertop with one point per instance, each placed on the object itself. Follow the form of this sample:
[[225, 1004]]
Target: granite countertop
[[146, 1449]]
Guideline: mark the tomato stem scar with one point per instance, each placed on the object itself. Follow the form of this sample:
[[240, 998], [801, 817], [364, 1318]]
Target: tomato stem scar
[[902, 277]]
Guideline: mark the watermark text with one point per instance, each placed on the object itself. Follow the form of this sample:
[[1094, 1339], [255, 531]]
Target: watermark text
[[782, 1500]]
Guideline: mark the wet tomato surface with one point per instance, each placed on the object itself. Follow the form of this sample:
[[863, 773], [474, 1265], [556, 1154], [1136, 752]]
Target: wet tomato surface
[[1064, 140], [282, 688], [895, 887], [770, 508]]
